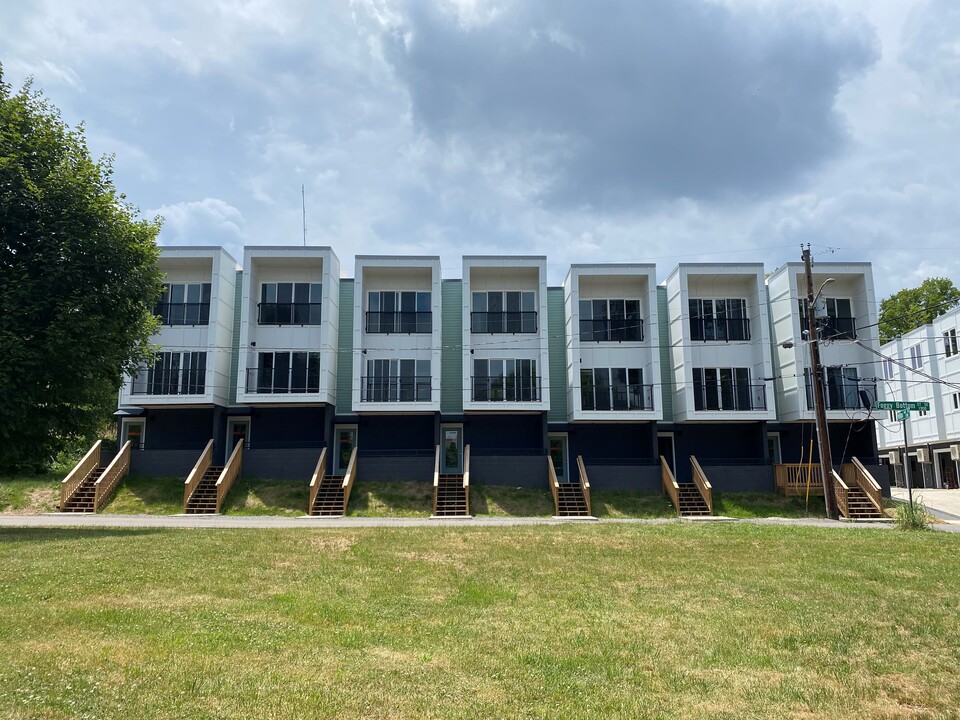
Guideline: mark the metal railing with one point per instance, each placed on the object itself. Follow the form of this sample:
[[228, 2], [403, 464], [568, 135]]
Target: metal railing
[[503, 322], [183, 313], [170, 382], [402, 321], [288, 313], [616, 397], [847, 394], [724, 329], [723, 397], [265, 381], [416, 388], [838, 328], [510, 388], [611, 330]]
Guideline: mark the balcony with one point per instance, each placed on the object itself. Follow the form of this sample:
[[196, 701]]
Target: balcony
[[722, 329], [396, 389], [617, 397], [611, 330], [729, 397], [283, 380], [510, 388], [169, 382], [838, 328], [399, 322], [183, 313], [845, 394], [503, 322], [288, 313]]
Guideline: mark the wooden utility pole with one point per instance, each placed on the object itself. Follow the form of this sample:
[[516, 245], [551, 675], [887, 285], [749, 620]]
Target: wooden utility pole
[[819, 405]]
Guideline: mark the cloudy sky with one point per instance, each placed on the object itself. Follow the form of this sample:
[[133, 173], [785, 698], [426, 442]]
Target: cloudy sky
[[620, 130]]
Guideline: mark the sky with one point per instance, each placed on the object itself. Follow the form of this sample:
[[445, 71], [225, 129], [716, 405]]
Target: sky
[[612, 131]]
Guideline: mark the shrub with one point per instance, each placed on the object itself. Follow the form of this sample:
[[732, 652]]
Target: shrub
[[911, 517]]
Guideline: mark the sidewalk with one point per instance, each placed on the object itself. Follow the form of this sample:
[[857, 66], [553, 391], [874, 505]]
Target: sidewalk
[[944, 504]]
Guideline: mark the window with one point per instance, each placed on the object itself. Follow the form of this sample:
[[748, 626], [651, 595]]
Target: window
[[614, 389], [173, 373], [184, 304], [839, 323], [843, 389], [285, 372], [916, 357], [290, 303], [394, 380], [610, 321], [950, 342], [399, 312], [724, 319], [726, 389], [956, 401], [888, 369], [505, 380], [510, 311]]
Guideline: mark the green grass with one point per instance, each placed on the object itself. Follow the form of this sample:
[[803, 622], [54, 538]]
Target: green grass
[[138, 495], [754, 505], [30, 493], [587, 621]]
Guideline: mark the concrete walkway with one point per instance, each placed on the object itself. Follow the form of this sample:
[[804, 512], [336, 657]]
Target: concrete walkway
[[943, 504]]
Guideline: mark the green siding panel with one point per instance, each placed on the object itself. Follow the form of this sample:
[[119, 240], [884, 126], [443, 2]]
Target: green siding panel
[[345, 350], [235, 342], [451, 347], [557, 346], [666, 361]]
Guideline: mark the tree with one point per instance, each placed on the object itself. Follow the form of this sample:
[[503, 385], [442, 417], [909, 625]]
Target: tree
[[912, 307], [78, 284]]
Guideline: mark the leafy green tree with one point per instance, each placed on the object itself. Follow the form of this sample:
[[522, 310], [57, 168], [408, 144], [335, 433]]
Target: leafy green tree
[[912, 307], [78, 283]]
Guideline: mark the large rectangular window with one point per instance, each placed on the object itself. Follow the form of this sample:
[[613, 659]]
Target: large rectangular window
[[289, 303], [718, 319], [614, 389], [839, 323], [511, 311], [610, 321], [399, 312], [184, 304], [843, 389], [505, 380], [173, 373], [397, 380], [285, 372], [727, 389], [950, 342]]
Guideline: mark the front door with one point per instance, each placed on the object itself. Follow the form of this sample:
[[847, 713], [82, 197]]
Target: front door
[[345, 437], [558, 451], [133, 430], [948, 471], [665, 450], [451, 452], [238, 431]]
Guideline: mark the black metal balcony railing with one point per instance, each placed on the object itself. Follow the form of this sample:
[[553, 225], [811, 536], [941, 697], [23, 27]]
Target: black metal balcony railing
[[838, 328], [396, 389], [611, 330], [272, 381], [719, 329], [509, 388], [847, 394], [399, 322], [288, 313], [617, 397], [724, 397], [503, 322], [169, 382], [183, 313]]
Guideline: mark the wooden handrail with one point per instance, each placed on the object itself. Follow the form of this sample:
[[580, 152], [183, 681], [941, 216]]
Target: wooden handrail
[[793, 479], [196, 475], [670, 483], [317, 479], [436, 478], [584, 483], [88, 463], [115, 472], [554, 484], [466, 477], [229, 474], [703, 485], [348, 479], [841, 490], [866, 482]]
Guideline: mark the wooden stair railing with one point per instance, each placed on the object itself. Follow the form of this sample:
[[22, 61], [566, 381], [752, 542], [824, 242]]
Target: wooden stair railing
[[670, 486], [436, 479], [88, 463], [348, 479], [584, 483], [317, 479], [230, 473], [794, 479], [196, 475], [856, 474], [114, 473], [841, 491], [466, 476], [554, 485], [703, 485]]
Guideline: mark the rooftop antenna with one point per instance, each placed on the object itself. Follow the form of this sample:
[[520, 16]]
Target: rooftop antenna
[[303, 202]]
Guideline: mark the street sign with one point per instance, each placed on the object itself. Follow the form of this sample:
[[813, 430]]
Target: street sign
[[903, 414], [902, 405]]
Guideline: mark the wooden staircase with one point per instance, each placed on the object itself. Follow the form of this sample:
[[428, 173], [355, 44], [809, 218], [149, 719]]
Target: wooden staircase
[[570, 499], [203, 500], [451, 491], [82, 499], [858, 494], [690, 502], [693, 499], [330, 494], [207, 485], [860, 507], [89, 485]]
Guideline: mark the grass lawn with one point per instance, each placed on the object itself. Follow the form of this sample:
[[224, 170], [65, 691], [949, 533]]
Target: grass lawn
[[666, 621], [30, 493]]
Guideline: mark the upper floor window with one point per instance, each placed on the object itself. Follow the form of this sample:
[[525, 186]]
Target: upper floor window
[[610, 320], [511, 311], [184, 304], [956, 401], [719, 319], [614, 389], [290, 303], [399, 312], [950, 342], [839, 324], [173, 373], [843, 389], [285, 372], [727, 389], [916, 357], [508, 380], [395, 380], [888, 369]]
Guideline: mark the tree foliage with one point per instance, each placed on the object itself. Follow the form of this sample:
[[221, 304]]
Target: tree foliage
[[912, 307], [78, 283]]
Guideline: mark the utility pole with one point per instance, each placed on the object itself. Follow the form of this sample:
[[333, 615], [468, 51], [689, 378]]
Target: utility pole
[[819, 409]]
